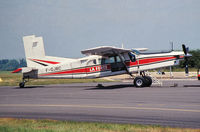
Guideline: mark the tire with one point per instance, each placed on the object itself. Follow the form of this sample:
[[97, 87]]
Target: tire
[[139, 81], [21, 85], [148, 81]]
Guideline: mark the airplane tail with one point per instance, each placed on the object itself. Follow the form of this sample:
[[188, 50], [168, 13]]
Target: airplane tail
[[35, 53], [34, 49]]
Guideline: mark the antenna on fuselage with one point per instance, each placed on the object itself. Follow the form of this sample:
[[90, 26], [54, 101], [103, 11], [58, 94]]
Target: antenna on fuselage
[[172, 46], [122, 45]]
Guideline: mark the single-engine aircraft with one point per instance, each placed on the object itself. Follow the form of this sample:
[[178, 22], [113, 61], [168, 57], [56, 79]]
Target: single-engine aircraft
[[99, 62]]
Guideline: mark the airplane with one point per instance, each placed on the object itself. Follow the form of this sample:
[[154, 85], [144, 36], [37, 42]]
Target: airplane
[[99, 62]]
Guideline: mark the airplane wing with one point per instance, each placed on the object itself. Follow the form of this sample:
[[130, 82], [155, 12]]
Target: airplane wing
[[108, 50], [104, 50]]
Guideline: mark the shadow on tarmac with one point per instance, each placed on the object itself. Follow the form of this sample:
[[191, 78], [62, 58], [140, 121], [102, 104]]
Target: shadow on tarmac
[[29, 87], [101, 87], [191, 85]]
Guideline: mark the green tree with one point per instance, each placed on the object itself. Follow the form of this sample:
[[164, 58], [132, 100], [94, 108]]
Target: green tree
[[22, 63], [11, 65], [194, 61]]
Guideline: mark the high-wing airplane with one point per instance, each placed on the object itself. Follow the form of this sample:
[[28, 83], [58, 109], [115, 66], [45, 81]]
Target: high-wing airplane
[[99, 62]]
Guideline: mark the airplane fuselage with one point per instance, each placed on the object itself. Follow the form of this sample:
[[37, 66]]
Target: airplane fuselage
[[95, 66]]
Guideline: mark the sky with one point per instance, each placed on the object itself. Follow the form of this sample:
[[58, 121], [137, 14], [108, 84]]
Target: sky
[[69, 26]]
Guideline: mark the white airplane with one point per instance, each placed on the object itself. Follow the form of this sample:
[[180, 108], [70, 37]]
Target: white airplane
[[99, 62]]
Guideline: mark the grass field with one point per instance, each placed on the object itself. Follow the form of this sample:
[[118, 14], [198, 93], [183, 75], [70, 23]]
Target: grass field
[[12, 79], [30, 125]]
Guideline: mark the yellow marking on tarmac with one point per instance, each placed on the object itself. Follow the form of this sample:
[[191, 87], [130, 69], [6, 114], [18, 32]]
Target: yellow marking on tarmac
[[99, 106]]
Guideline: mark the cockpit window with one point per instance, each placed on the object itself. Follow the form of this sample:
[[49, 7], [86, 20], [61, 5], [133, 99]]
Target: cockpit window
[[132, 57]]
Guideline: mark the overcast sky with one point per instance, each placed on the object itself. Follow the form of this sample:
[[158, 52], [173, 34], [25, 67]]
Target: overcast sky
[[69, 26]]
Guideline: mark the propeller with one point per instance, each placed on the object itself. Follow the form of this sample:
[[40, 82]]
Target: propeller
[[186, 50]]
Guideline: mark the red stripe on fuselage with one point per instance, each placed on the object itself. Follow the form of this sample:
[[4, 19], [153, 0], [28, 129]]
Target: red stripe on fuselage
[[82, 70], [149, 60], [108, 67], [50, 62], [66, 72]]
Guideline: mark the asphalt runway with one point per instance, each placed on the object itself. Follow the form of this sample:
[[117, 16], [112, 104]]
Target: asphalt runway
[[175, 104]]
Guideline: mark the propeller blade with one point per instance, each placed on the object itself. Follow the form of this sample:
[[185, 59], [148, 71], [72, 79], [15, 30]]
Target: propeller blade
[[187, 55], [184, 49]]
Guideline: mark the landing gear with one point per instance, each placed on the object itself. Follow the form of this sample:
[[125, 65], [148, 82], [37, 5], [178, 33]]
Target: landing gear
[[148, 81], [22, 84], [139, 81], [142, 81]]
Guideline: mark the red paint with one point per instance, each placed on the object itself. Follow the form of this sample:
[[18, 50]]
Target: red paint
[[83, 70], [50, 62], [17, 70], [149, 60]]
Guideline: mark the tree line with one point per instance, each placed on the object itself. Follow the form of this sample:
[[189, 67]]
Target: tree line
[[194, 61], [13, 64]]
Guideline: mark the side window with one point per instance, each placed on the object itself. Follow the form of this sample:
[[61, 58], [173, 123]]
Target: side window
[[118, 58], [112, 59], [92, 62], [83, 61], [99, 61], [107, 60], [132, 57], [102, 61]]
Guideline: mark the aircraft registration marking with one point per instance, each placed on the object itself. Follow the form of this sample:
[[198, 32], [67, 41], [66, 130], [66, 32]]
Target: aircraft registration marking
[[53, 69]]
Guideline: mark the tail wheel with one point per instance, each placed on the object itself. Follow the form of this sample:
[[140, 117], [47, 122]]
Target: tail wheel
[[139, 82], [148, 81], [21, 85]]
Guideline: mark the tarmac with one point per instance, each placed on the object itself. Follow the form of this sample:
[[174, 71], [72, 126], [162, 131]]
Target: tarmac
[[176, 103]]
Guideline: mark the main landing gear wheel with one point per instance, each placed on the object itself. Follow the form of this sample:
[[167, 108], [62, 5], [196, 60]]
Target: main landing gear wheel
[[148, 81], [142, 81], [139, 81]]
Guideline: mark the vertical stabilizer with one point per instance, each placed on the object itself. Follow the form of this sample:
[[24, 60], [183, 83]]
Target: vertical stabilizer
[[34, 49]]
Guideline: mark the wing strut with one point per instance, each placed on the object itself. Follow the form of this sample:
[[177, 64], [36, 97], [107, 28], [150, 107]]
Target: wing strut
[[120, 56]]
